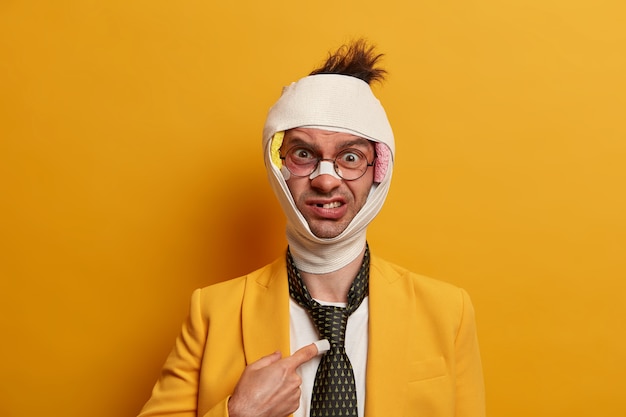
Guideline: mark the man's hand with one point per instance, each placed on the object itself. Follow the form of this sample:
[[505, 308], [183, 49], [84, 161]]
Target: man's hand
[[270, 387]]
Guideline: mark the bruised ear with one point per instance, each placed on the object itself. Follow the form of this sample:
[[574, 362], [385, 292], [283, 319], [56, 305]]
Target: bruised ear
[[383, 154]]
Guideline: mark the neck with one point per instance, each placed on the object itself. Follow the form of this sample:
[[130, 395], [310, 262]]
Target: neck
[[333, 286]]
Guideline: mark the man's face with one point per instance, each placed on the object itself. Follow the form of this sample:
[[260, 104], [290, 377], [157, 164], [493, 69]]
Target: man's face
[[328, 203]]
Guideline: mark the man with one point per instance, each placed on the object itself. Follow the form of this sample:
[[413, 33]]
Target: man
[[399, 344]]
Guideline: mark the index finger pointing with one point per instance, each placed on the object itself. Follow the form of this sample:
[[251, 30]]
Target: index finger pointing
[[308, 352]]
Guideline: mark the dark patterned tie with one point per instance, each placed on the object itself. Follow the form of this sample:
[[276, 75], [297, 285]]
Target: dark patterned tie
[[334, 389]]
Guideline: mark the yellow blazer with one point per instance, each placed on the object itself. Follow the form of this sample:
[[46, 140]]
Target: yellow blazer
[[423, 357]]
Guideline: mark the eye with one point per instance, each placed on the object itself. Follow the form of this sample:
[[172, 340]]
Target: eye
[[350, 158], [302, 155]]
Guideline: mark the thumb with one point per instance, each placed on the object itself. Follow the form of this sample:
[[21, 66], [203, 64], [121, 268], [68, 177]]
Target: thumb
[[266, 361]]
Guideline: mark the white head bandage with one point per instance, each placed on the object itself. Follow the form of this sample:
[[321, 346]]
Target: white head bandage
[[337, 103]]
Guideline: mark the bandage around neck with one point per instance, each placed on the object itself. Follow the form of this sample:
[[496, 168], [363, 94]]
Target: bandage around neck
[[337, 103]]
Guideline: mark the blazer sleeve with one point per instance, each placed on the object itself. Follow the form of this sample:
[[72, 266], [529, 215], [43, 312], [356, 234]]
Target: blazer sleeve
[[176, 391], [470, 391]]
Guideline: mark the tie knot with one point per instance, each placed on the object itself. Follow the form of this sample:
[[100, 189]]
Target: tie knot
[[331, 323]]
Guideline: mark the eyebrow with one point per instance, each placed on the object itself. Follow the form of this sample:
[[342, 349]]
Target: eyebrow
[[356, 142]]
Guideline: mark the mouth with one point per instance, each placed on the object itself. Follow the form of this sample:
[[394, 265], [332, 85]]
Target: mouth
[[325, 209], [332, 205]]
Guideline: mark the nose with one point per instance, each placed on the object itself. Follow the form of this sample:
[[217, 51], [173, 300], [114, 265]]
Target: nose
[[324, 177], [324, 167]]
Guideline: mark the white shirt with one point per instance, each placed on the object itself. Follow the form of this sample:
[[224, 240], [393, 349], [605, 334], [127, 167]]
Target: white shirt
[[303, 332]]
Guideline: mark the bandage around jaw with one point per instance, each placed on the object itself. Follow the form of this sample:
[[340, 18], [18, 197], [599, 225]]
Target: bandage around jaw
[[337, 103]]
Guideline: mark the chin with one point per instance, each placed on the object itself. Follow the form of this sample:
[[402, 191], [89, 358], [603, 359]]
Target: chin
[[327, 233]]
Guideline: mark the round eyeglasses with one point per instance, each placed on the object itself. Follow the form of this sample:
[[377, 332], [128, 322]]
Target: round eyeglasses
[[350, 164]]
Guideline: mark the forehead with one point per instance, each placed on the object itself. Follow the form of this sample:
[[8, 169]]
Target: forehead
[[320, 138]]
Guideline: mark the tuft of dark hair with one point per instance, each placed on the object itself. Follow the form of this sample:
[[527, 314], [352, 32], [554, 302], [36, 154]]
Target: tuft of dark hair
[[357, 59]]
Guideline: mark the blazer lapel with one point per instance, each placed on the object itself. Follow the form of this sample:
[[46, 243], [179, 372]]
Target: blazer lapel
[[389, 322], [265, 313]]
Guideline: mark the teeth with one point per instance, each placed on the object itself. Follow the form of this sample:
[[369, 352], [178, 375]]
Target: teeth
[[334, 204]]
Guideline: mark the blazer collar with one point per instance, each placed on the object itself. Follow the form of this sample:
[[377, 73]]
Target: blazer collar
[[265, 312], [389, 322]]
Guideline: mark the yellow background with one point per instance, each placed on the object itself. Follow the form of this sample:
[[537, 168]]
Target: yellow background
[[131, 173]]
